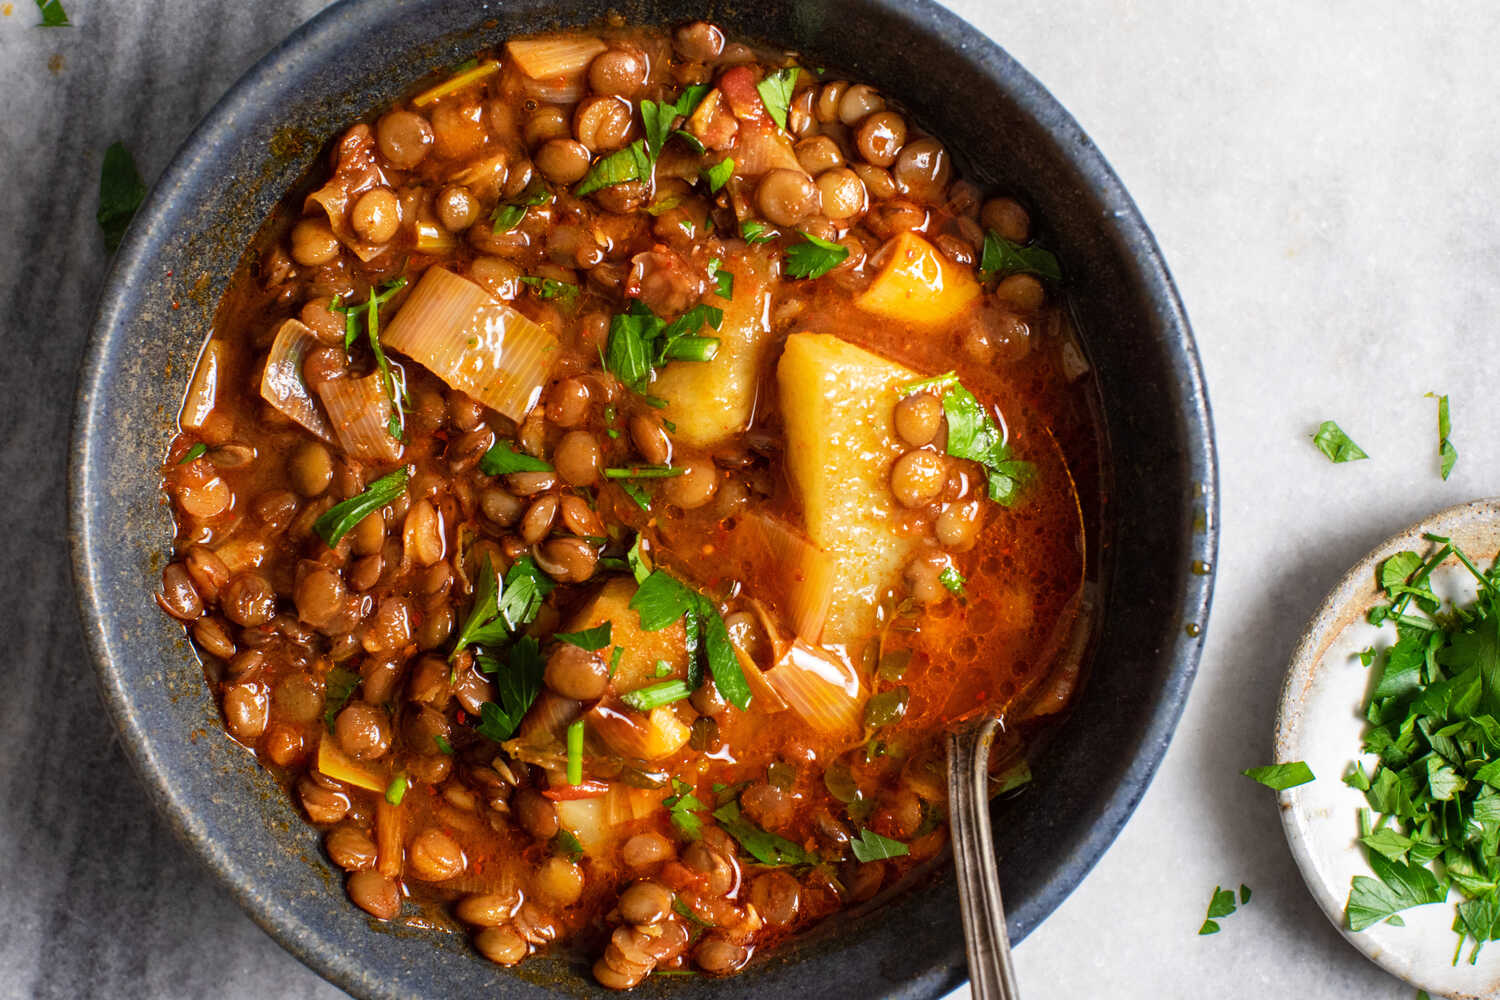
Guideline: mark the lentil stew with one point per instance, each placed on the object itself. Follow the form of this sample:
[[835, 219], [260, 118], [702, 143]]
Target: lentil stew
[[602, 489]]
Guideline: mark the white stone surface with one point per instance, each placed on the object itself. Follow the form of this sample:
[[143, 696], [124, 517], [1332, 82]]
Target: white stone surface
[[1320, 176]]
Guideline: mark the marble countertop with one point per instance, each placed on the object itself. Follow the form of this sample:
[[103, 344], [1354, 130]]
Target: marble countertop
[[1321, 185]]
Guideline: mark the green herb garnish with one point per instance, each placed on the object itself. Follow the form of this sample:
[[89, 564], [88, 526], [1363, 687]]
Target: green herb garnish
[[1001, 256], [53, 15], [1220, 904], [659, 117], [395, 389], [1281, 776], [591, 639], [953, 580], [121, 189], [776, 93], [575, 752], [662, 599], [871, 846], [718, 174], [196, 451], [508, 216], [551, 288], [518, 681], [503, 459], [641, 342], [501, 607], [767, 848], [340, 519], [633, 163], [814, 257], [723, 279], [396, 790], [682, 809], [1447, 454], [756, 232], [338, 687], [645, 472], [974, 435], [444, 747], [565, 845], [655, 695], [1333, 442]]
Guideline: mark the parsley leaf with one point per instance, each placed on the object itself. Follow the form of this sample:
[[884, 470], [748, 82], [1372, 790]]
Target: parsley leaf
[[516, 687], [767, 848], [503, 459], [718, 174], [682, 809], [591, 639], [871, 846], [551, 288], [396, 790], [1220, 904], [338, 686], [953, 580], [756, 232], [526, 586], [53, 16], [633, 163], [814, 257], [1447, 454], [640, 342], [1398, 888], [974, 435], [1334, 443], [121, 189], [508, 216], [195, 452], [1281, 776], [565, 845], [776, 93], [340, 519], [661, 600], [1001, 256], [723, 279], [395, 389]]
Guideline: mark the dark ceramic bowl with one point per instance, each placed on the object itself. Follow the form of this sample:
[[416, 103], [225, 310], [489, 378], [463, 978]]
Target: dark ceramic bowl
[[1158, 522]]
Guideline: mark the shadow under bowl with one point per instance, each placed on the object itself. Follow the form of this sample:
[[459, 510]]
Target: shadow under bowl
[[1158, 529]]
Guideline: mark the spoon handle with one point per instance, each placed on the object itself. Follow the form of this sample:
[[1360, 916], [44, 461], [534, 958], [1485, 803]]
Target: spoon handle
[[991, 975]]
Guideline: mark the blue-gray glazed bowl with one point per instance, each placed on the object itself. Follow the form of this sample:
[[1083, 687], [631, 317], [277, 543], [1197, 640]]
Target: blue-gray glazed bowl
[[1159, 506]]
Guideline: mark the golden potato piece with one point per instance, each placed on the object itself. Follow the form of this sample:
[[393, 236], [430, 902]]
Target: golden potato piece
[[917, 284], [713, 400], [837, 402]]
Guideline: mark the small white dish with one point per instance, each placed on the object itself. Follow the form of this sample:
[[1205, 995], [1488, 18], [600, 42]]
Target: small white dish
[[1320, 721]]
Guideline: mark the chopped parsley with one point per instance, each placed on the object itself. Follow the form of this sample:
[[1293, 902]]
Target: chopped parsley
[[640, 341], [953, 580], [340, 519], [718, 174], [633, 163], [517, 683], [53, 15], [591, 639], [723, 280], [441, 742], [551, 288], [121, 189], [767, 848], [661, 600], [502, 459], [1447, 454], [501, 607], [659, 117], [1334, 443], [871, 846], [814, 257], [682, 809], [1281, 776], [776, 93], [196, 451], [395, 389], [338, 687], [508, 215], [396, 790], [1001, 256], [638, 496], [756, 232], [1220, 904], [1433, 821], [974, 435]]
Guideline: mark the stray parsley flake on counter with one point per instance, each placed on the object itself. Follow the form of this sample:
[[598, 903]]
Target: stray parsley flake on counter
[[1447, 454], [1433, 821], [121, 189], [1281, 776], [1338, 446], [340, 519], [53, 15], [1221, 904]]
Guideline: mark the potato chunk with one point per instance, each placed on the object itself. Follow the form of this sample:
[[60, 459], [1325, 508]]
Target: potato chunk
[[642, 650], [916, 284], [837, 402], [713, 400]]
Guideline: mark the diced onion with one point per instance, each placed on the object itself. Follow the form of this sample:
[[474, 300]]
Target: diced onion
[[335, 764], [658, 734], [360, 411], [476, 344], [281, 384], [626, 804], [454, 84], [553, 69], [205, 387], [761, 147], [596, 821], [807, 569], [821, 688], [434, 239]]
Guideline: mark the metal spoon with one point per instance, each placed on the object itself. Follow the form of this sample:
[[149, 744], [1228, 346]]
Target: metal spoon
[[991, 974]]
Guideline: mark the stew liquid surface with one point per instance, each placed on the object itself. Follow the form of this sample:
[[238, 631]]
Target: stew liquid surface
[[600, 493]]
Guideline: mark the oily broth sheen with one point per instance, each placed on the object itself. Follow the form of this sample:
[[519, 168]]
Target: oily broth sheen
[[992, 650]]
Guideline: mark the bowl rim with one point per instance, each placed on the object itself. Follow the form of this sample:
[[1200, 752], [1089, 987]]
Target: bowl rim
[[132, 265]]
